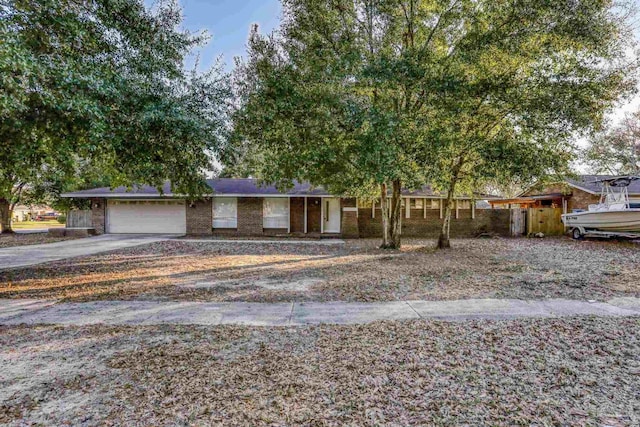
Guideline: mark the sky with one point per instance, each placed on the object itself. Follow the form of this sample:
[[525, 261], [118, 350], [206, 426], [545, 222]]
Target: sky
[[228, 23]]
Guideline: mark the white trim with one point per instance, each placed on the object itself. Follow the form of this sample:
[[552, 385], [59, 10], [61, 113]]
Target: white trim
[[289, 215], [349, 209], [305, 214]]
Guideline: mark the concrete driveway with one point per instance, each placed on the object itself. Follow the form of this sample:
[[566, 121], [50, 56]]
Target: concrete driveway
[[22, 256]]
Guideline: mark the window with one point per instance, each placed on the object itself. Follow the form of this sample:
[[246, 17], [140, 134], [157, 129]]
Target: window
[[225, 212], [435, 203], [416, 203], [275, 212], [464, 204]]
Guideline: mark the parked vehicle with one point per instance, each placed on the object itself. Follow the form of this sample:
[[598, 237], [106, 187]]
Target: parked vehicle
[[47, 216], [612, 217]]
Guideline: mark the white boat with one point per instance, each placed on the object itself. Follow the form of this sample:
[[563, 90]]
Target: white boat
[[611, 215]]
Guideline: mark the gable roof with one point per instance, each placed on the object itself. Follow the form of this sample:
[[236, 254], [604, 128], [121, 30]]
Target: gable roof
[[590, 183], [243, 187]]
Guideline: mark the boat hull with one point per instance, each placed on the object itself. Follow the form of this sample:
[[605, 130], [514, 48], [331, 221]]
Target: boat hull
[[627, 220]]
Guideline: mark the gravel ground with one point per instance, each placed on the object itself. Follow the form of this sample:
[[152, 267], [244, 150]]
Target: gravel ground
[[17, 239], [573, 371], [357, 271]]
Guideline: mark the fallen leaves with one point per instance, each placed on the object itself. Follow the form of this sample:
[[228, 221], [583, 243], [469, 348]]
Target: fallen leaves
[[357, 271], [401, 373]]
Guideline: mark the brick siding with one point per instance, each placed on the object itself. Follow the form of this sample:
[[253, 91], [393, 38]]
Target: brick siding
[[581, 199], [296, 214], [200, 217], [486, 221], [250, 216], [314, 214], [349, 222]]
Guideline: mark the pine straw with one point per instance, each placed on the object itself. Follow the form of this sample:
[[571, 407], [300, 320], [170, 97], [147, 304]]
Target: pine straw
[[572, 371], [357, 271]]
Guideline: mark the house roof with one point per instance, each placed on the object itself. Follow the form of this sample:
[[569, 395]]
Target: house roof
[[233, 187], [592, 183]]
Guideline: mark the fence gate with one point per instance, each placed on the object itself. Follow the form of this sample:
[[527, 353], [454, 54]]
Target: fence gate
[[545, 220], [79, 219], [518, 221]]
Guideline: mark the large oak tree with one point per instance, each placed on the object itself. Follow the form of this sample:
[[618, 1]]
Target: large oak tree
[[368, 96], [102, 82]]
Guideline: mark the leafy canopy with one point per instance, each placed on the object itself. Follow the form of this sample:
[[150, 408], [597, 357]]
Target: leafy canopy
[[102, 82]]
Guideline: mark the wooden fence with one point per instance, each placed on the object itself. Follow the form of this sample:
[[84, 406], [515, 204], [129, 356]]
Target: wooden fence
[[518, 222], [545, 220], [79, 219]]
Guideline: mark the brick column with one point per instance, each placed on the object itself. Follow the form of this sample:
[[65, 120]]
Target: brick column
[[98, 213], [200, 217], [349, 222]]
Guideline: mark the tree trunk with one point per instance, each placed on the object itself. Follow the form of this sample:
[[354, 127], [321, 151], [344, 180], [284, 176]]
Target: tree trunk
[[391, 216], [443, 240], [384, 212], [5, 216], [395, 220]]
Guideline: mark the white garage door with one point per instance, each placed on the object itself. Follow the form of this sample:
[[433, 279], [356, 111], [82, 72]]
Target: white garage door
[[146, 216]]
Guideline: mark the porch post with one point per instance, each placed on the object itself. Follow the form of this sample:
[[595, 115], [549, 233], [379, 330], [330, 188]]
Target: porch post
[[289, 214], [473, 209], [305, 214], [373, 209], [440, 208], [321, 215], [424, 207], [407, 207], [457, 205]]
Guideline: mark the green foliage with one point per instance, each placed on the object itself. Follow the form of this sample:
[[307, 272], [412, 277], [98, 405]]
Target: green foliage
[[102, 81], [62, 219], [616, 150], [457, 93]]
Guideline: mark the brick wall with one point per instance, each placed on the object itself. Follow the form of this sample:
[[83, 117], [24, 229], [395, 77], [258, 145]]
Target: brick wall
[[349, 221], [296, 214], [486, 220], [200, 217], [249, 216], [98, 212]]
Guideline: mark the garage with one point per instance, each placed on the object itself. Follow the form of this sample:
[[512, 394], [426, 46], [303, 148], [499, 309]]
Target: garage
[[146, 216]]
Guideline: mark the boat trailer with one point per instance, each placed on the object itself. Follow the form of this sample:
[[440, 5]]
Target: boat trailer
[[579, 233]]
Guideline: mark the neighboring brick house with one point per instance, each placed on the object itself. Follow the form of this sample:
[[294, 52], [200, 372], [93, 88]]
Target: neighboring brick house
[[240, 207], [571, 194]]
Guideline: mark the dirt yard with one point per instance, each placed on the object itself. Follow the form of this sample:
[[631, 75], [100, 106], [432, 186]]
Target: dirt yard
[[18, 239], [357, 271], [575, 371]]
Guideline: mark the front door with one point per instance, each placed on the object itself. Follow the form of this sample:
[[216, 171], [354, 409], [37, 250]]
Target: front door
[[331, 215]]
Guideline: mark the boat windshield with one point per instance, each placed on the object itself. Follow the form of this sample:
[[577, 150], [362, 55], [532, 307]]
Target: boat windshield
[[614, 195]]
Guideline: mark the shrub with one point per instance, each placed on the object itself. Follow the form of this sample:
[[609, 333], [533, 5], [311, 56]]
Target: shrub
[[62, 219]]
